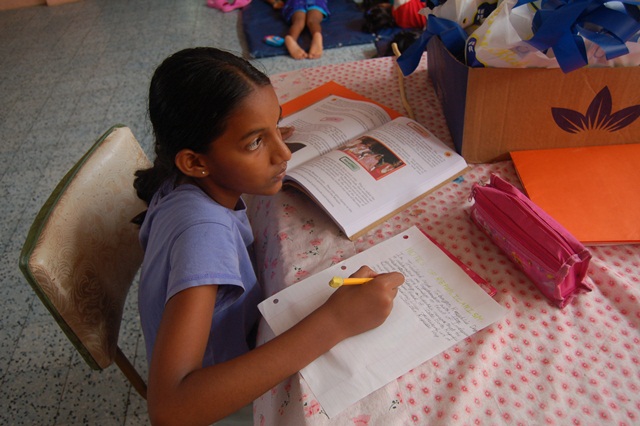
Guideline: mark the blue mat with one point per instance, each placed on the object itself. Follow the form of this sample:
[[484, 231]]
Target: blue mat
[[342, 28]]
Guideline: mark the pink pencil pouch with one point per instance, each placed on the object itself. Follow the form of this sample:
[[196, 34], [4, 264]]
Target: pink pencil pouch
[[543, 249]]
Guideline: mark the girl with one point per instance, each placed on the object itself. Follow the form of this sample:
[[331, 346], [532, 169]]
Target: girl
[[215, 120]]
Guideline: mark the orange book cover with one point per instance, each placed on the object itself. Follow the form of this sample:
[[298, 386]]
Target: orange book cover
[[591, 191], [325, 90]]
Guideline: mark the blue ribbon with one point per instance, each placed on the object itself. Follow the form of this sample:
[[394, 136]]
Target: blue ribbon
[[564, 24], [450, 32]]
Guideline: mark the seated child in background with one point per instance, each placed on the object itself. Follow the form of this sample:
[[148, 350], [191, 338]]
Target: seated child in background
[[215, 122], [300, 14], [406, 13], [403, 40], [380, 14], [377, 16]]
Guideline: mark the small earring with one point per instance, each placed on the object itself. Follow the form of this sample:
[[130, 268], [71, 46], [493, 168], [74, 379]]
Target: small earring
[[204, 172]]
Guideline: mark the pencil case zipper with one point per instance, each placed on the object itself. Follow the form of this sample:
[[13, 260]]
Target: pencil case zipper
[[523, 239], [551, 257], [568, 245], [528, 260]]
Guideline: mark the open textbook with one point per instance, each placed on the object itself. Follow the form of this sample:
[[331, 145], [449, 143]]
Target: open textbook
[[359, 163], [438, 305]]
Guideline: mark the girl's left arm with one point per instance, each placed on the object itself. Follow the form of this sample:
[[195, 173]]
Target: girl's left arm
[[181, 391]]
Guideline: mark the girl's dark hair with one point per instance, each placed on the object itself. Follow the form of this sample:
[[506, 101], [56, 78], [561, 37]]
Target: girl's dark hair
[[191, 97]]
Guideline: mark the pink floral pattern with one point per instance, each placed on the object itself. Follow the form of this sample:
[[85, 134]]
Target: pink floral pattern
[[578, 365]]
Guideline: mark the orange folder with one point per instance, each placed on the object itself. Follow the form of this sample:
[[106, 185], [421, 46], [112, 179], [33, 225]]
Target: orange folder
[[594, 192]]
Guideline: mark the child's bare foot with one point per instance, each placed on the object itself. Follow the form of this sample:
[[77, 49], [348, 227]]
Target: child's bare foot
[[315, 51], [294, 48]]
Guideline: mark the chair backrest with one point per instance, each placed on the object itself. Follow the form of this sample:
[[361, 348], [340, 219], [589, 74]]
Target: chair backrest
[[82, 251]]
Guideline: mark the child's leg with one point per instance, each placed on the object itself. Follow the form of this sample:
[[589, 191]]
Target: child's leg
[[276, 4], [291, 39], [314, 20]]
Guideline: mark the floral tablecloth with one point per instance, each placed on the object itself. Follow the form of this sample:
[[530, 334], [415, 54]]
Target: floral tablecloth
[[579, 365]]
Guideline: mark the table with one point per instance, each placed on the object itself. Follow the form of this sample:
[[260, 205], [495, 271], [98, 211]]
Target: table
[[579, 365]]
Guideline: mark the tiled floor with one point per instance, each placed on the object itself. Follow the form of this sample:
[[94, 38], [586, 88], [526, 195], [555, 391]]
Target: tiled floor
[[67, 73]]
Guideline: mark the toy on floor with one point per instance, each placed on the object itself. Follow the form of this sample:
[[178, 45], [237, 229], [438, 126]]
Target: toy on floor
[[227, 5], [274, 40]]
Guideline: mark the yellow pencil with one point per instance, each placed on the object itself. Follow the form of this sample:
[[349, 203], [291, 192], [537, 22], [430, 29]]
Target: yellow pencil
[[338, 281]]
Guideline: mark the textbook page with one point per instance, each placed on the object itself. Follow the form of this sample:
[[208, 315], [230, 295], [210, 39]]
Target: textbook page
[[328, 124], [377, 173], [437, 306]]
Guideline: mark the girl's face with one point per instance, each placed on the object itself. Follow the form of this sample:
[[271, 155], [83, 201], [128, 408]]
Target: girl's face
[[250, 157]]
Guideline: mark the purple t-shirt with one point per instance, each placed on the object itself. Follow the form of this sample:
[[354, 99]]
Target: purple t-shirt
[[190, 240]]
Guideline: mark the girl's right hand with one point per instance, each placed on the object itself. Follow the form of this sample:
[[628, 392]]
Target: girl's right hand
[[359, 308]]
